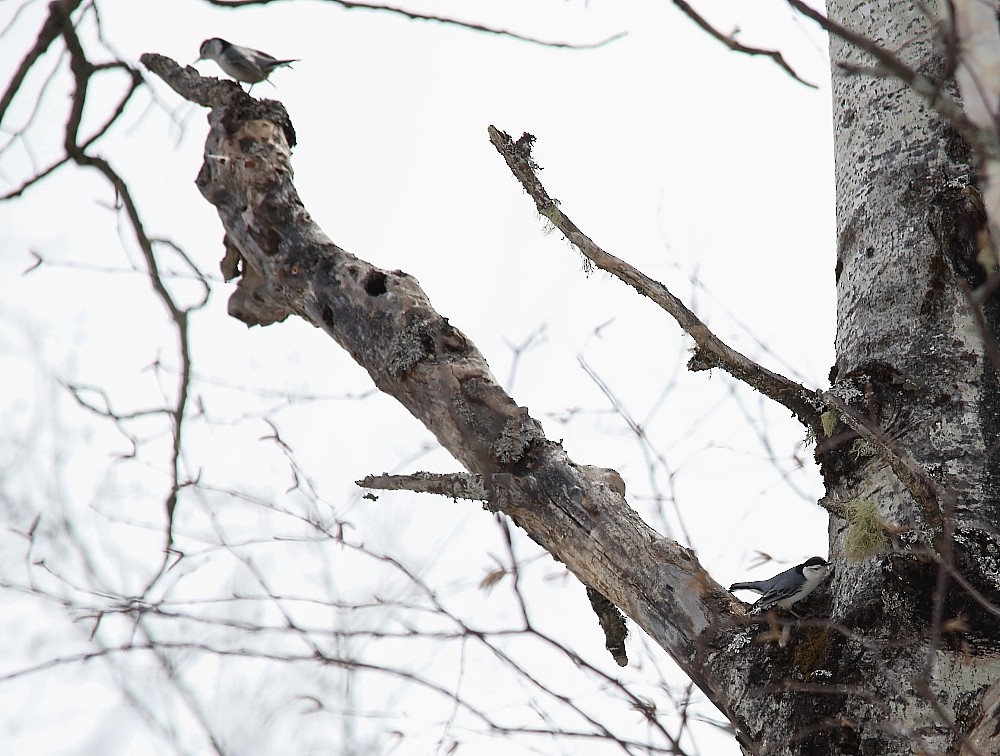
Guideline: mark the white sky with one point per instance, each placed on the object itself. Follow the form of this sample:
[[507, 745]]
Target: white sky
[[683, 158]]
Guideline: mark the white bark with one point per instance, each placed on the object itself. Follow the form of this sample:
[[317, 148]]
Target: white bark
[[912, 356]]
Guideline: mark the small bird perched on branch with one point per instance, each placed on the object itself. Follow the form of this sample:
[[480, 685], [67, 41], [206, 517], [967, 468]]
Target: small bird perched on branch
[[242, 63], [787, 587]]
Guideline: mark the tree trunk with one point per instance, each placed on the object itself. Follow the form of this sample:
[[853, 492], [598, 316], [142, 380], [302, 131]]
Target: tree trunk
[[908, 663]]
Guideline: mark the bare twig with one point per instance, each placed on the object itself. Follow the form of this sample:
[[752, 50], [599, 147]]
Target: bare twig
[[932, 92], [447, 20], [60, 24], [59, 11], [909, 472], [711, 351], [735, 45]]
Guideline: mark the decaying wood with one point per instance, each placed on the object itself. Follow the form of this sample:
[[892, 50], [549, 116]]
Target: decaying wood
[[385, 321]]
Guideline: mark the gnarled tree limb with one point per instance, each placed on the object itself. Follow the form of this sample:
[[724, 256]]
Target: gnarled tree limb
[[386, 323]]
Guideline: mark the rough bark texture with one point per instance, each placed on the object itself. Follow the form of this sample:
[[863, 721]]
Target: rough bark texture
[[909, 659], [287, 265]]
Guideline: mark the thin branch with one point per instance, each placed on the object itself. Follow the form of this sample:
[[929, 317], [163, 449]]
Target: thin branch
[[711, 351], [909, 472], [448, 21], [50, 31], [83, 70], [932, 92], [650, 450], [735, 45]]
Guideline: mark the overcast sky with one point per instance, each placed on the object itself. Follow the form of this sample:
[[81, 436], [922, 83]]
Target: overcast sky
[[710, 171]]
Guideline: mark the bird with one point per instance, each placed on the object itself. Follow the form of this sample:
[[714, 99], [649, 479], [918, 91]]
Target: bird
[[787, 587], [242, 63]]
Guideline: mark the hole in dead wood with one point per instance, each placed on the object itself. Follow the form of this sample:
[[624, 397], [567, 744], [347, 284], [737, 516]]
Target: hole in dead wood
[[375, 283]]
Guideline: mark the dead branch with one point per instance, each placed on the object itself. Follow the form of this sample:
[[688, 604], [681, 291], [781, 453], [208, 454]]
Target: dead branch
[[452, 485], [730, 41], [711, 350], [387, 324]]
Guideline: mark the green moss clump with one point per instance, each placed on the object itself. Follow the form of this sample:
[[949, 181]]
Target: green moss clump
[[811, 652], [865, 534], [829, 421]]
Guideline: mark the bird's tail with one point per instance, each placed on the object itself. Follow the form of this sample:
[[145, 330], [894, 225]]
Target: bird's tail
[[746, 587]]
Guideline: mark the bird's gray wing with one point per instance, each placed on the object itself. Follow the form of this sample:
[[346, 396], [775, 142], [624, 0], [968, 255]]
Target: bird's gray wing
[[264, 60], [776, 594], [259, 57]]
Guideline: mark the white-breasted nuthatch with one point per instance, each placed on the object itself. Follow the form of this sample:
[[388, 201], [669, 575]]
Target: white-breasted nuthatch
[[242, 63], [785, 588]]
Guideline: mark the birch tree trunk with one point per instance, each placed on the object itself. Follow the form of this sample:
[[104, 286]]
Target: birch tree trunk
[[908, 663]]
